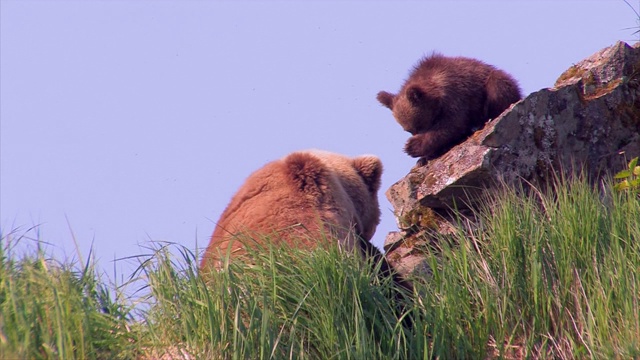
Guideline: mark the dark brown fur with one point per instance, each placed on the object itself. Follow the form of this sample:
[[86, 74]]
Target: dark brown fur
[[446, 99]]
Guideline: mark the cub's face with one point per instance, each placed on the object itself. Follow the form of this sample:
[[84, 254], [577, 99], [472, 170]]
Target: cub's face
[[415, 110]]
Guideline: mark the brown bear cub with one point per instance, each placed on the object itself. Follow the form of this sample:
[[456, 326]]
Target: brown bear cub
[[302, 199], [446, 99]]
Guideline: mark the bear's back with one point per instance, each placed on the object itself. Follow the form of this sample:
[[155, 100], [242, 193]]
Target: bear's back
[[267, 204], [451, 71], [482, 89]]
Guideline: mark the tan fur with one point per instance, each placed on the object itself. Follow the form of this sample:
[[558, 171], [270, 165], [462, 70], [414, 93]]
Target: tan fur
[[300, 199]]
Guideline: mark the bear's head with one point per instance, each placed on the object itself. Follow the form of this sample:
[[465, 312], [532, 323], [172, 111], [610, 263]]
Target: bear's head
[[302, 199], [351, 183], [415, 108]]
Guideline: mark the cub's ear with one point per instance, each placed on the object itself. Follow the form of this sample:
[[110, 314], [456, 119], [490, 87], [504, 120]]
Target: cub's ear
[[370, 169], [386, 99], [307, 173], [419, 98], [415, 95]]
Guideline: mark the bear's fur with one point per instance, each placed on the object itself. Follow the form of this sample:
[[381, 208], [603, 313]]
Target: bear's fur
[[302, 198], [446, 99]]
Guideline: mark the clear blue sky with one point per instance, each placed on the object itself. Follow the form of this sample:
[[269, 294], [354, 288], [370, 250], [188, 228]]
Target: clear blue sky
[[130, 121]]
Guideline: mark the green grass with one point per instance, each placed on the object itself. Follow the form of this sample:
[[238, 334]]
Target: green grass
[[56, 310], [552, 274], [288, 303], [548, 275]]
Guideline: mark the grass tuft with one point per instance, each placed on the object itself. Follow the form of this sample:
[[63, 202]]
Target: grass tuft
[[50, 309]]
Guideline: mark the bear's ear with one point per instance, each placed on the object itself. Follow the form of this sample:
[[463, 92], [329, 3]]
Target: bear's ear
[[308, 173], [370, 169], [386, 99], [415, 95], [419, 98]]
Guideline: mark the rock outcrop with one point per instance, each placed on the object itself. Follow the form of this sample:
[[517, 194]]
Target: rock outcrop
[[590, 119]]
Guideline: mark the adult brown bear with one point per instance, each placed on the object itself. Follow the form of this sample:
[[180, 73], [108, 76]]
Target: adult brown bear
[[300, 199]]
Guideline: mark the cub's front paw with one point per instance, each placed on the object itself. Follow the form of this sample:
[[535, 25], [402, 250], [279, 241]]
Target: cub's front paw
[[415, 147]]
